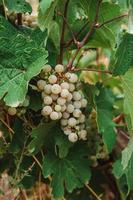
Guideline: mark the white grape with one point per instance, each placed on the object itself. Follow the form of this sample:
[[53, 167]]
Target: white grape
[[76, 96], [47, 89], [77, 104], [83, 134], [77, 113], [48, 100], [71, 87], [12, 111], [82, 118], [65, 85], [61, 101], [63, 108], [57, 108], [73, 78], [69, 97], [66, 115], [64, 93], [41, 84], [72, 122], [54, 115], [83, 103], [67, 130], [54, 97], [68, 75], [72, 137], [52, 79], [56, 89], [59, 68], [70, 108], [47, 68], [64, 122], [59, 115], [46, 110]]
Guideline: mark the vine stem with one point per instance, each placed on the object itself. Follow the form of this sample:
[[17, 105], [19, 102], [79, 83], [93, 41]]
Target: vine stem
[[9, 128], [87, 36], [63, 32], [91, 70], [93, 192]]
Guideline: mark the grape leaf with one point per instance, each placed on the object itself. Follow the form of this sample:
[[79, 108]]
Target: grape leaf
[[127, 153], [127, 83], [124, 55], [21, 59], [70, 172], [18, 6], [104, 105]]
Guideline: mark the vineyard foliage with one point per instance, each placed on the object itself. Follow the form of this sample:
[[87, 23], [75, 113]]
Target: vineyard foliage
[[91, 44]]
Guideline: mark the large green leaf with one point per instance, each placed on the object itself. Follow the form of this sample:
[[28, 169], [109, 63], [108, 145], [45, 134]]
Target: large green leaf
[[21, 59], [70, 172], [104, 105], [124, 55], [127, 83], [18, 6]]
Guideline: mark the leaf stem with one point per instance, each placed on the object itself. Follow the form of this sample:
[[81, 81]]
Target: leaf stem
[[37, 161], [93, 192], [91, 70]]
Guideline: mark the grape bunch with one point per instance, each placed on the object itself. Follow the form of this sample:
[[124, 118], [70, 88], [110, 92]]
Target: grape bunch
[[64, 101]]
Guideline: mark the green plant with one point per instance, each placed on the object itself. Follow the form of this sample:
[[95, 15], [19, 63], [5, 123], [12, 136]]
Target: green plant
[[66, 108]]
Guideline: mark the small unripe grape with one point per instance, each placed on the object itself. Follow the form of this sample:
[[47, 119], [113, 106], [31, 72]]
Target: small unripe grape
[[71, 87], [26, 102], [73, 78], [68, 75], [70, 108], [54, 115], [82, 126], [67, 130], [47, 68], [47, 89], [73, 137], [59, 115], [65, 85], [64, 93], [69, 97], [56, 89], [41, 84], [54, 97], [76, 96], [57, 108], [47, 110], [66, 115], [77, 128], [48, 100], [83, 134], [59, 68], [43, 94], [63, 108], [52, 79], [72, 122], [77, 113], [12, 111], [82, 118], [83, 103], [64, 122], [77, 104], [61, 101]]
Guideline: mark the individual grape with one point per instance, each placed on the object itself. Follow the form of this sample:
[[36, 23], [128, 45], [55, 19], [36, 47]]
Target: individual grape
[[54, 97], [82, 118], [56, 89], [83, 134], [76, 96], [47, 89], [52, 79], [57, 108], [67, 130], [41, 84], [77, 104], [12, 111], [59, 68], [48, 100], [73, 78], [72, 122], [64, 93], [83, 103], [26, 102], [61, 101], [65, 85], [70, 108], [59, 115], [63, 108], [47, 110], [68, 75], [66, 115], [69, 97], [64, 122], [54, 115], [47, 68], [77, 113], [71, 87], [72, 137]]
